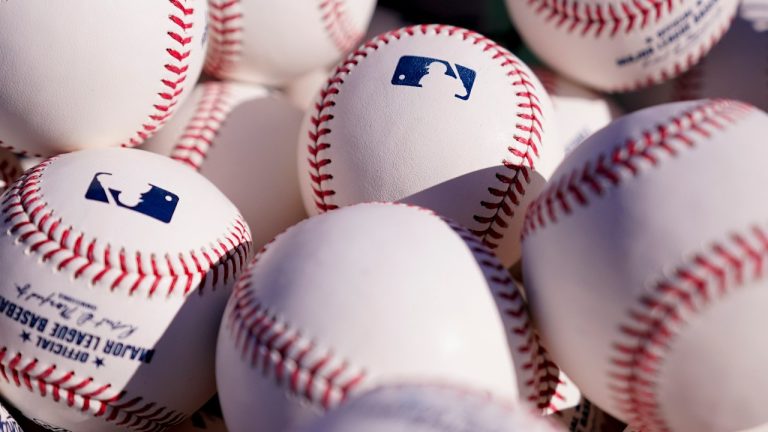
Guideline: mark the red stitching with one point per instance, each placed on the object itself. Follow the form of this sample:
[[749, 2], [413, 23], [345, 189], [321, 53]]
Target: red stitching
[[626, 161], [226, 32], [342, 31], [176, 72], [311, 373], [658, 317], [315, 375], [198, 137], [602, 19], [85, 395], [543, 375], [529, 132], [503, 199], [27, 216]]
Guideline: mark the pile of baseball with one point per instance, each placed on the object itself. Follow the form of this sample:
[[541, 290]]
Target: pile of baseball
[[249, 215]]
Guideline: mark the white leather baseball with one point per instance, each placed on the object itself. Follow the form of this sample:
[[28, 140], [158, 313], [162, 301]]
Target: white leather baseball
[[364, 295], [429, 407], [241, 137], [435, 116], [302, 91], [83, 74], [275, 42], [10, 169], [116, 265], [644, 264], [621, 45], [735, 68], [579, 111]]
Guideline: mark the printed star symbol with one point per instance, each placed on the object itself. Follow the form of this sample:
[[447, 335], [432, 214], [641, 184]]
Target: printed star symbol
[[99, 362], [25, 336]]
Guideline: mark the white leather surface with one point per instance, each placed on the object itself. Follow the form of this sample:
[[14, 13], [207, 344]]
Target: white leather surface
[[733, 68], [579, 111], [83, 74], [425, 407], [387, 289], [659, 49], [303, 91], [102, 274], [586, 271], [280, 41], [424, 145], [248, 135]]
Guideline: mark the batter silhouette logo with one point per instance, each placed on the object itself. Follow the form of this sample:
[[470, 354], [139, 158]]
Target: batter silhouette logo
[[435, 75], [144, 198]]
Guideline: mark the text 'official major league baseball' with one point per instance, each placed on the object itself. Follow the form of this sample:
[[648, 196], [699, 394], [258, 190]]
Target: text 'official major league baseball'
[[71, 328]]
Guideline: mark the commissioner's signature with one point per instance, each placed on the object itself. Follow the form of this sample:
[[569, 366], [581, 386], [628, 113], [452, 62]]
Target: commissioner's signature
[[72, 309]]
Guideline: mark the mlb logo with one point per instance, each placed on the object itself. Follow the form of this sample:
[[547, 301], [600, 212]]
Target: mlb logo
[[144, 198], [435, 74]]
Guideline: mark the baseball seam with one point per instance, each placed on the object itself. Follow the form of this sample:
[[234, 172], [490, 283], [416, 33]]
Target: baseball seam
[[504, 199], [543, 375], [626, 161], [601, 19], [660, 316], [343, 32], [268, 342], [226, 31], [529, 133], [317, 375], [176, 72], [84, 394], [172, 83], [29, 218], [210, 115]]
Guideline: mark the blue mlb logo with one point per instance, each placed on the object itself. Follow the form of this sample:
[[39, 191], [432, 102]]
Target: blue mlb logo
[[145, 198], [435, 74]]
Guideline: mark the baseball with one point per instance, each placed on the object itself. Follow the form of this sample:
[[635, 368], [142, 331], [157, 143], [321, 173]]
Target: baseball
[[644, 267], [302, 91], [435, 116], [731, 70], [243, 138], [364, 295], [82, 74], [624, 44], [579, 112], [275, 42], [116, 266], [422, 407], [10, 169]]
